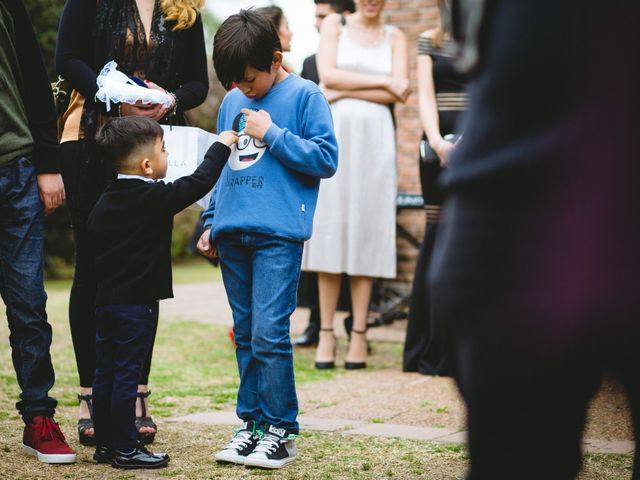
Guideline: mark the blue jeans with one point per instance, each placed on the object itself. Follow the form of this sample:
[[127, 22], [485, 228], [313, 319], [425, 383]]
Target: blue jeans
[[124, 337], [22, 286], [260, 275]]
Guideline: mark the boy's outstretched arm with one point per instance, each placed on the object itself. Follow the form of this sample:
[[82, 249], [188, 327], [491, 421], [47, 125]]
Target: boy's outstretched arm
[[315, 152], [184, 191]]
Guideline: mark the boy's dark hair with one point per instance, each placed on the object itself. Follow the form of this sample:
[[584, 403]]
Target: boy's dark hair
[[120, 137], [247, 38], [274, 13], [339, 6]]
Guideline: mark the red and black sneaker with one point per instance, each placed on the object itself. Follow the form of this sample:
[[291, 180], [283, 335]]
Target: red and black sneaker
[[43, 439]]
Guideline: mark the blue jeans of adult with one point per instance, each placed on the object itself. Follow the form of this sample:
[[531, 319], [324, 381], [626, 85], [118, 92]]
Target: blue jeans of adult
[[124, 336], [260, 275], [22, 287]]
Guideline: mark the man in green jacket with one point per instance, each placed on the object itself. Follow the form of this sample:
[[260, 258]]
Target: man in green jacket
[[30, 186]]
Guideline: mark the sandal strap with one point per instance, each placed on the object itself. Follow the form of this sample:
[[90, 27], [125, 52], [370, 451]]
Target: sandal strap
[[87, 398], [326, 329], [142, 396], [85, 424], [361, 332], [145, 422]]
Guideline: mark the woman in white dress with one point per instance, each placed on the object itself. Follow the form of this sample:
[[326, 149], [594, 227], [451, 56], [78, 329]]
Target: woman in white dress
[[363, 69]]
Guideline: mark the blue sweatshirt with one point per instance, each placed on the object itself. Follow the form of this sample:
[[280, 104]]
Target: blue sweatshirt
[[271, 186]]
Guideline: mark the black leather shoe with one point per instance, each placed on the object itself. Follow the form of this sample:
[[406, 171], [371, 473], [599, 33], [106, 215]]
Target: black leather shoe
[[103, 454], [309, 338], [140, 457]]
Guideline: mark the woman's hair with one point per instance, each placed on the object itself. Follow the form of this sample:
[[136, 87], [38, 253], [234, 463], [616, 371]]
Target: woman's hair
[[274, 13], [444, 10], [183, 12]]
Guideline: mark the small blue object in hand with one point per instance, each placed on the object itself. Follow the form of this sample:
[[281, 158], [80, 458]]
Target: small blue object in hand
[[139, 82]]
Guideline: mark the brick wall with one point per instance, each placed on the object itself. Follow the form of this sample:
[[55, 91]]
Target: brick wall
[[413, 17]]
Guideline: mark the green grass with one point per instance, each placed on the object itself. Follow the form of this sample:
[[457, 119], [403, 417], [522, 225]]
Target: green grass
[[194, 370], [196, 270]]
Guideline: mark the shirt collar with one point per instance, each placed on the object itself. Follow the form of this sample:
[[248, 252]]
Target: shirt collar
[[124, 176]]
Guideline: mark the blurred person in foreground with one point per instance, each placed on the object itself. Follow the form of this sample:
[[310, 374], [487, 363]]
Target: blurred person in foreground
[[308, 288], [536, 268]]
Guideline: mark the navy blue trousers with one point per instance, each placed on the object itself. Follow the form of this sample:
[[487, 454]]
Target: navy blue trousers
[[124, 337]]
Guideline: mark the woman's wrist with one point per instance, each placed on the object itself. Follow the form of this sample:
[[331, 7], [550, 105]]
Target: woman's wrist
[[435, 141], [174, 106]]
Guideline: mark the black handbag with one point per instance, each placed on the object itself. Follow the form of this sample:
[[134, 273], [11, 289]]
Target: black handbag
[[430, 170]]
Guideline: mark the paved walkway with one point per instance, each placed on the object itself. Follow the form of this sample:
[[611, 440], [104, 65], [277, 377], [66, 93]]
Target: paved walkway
[[386, 402], [350, 427]]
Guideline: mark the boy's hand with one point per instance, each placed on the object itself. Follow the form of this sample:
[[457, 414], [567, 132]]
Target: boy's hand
[[228, 137], [205, 248], [256, 123]]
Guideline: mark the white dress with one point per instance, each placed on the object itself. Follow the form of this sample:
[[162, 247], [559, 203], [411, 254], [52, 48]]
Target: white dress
[[354, 228]]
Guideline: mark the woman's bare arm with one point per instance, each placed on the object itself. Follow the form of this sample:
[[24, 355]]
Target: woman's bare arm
[[376, 95], [333, 77]]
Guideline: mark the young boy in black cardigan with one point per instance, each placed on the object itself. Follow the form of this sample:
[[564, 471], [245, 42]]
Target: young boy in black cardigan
[[131, 225]]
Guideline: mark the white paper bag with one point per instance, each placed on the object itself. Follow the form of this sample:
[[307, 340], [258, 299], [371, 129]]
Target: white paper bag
[[186, 147]]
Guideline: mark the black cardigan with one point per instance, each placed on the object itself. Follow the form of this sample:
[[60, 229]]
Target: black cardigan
[[76, 57]]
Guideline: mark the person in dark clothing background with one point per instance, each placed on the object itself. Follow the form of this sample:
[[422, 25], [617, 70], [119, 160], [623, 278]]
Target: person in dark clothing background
[[442, 100], [536, 268], [159, 42], [30, 185], [308, 288]]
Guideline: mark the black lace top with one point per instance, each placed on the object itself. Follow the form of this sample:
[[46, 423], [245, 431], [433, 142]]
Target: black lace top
[[91, 34]]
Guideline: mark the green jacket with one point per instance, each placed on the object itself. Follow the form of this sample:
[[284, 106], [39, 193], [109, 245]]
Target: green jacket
[[27, 115]]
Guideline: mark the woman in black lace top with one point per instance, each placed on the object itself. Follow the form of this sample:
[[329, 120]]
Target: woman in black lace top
[[158, 41], [442, 100]]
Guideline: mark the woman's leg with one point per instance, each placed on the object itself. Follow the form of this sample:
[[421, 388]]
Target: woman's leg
[[83, 288], [360, 299], [328, 292], [142, 403], [84, 183]]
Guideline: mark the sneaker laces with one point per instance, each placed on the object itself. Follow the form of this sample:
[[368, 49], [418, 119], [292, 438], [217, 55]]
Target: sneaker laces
[[241, 439], [268, 444], [50, 429]]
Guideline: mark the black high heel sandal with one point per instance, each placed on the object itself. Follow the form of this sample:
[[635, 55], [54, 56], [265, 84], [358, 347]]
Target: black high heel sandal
[[143, 421], [85, 424], [356, 365], [327, 365]]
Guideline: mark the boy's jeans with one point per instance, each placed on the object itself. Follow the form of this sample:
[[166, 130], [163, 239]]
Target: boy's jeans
[[22, 287], [260, 276]]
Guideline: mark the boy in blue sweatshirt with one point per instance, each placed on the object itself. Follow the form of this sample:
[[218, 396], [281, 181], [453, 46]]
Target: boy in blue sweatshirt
[[261, 212]]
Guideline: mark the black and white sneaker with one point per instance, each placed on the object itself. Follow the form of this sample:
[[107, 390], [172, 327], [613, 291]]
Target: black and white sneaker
[[275, 449], [242, 444]]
